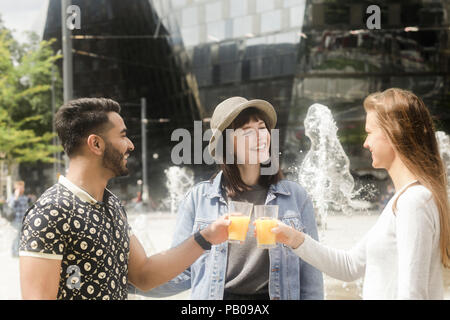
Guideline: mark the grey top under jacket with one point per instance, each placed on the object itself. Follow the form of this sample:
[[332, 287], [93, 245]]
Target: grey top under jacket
[[248, 266]]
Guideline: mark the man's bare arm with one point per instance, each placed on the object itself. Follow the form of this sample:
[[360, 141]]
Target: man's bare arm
[[146, 273], [39, 278]]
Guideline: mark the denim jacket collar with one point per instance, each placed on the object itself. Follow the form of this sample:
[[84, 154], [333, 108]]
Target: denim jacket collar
[[215, 189]]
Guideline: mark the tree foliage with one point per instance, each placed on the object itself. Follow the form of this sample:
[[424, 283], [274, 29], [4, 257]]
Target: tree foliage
[[27, 72]]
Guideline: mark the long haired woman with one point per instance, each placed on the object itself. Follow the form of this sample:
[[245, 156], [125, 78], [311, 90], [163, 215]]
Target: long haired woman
[[403, 254]]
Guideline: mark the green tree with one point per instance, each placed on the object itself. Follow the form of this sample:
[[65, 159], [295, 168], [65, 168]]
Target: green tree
[[27, 72], [18, 145]]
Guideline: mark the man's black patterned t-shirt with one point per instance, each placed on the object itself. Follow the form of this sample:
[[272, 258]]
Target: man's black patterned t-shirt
[[90, 238]]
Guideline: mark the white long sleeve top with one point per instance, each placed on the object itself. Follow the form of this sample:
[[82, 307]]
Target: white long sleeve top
[[399, 257]]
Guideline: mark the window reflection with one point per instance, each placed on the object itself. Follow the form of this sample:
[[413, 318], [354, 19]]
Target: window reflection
[[291, 3], [265, 5], [243, 26], [256, 41], [297, 14], [238, 47], [238, 8], [323, 88], [271, 21], [228, 51], [215, 31], [229, 72], [287, 37], [189, 16], [178, 3], [213, 11], [190, 36]]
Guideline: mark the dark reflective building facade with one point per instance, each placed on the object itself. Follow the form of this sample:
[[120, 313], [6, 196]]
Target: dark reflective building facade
[[121, 52], [192, 54], [341, 62]]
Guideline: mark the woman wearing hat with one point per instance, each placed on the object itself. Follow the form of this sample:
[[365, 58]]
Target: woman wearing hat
[[242, 271]]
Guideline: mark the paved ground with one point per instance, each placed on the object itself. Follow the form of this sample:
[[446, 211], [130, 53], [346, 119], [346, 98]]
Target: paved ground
[[155, 232]]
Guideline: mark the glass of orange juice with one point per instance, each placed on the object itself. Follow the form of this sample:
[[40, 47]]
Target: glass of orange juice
[[265, 220], [240, 217]]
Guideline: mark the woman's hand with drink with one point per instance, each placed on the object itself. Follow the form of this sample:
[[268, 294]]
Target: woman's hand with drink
[[288, 235]]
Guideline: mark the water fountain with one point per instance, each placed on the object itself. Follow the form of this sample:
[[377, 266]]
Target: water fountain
[[325, 171], [179, 182], [444, 149]]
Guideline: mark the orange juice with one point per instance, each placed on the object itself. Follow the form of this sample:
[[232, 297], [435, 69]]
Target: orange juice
[[238, 228], [263, 234]]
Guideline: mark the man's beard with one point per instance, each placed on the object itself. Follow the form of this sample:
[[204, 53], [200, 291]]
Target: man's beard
[[113, 160]]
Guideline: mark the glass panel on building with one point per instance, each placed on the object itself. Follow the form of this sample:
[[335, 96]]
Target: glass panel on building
[[229, 72], [190, 36], [243, 26], [255, 68], [201, 56], [228, 51], [256, 41], [189, 16], [215, 31], [238, 8], [178, 3], [292, 3], [333, 67], [287, 37], [213, 11], [228, 28], [271, 21], [297, 15], [265, 5]]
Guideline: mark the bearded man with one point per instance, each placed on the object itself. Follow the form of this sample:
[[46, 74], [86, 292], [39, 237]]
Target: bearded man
[[76, 242]]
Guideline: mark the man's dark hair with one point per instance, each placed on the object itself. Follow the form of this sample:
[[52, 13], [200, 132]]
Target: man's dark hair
[[79, 118]]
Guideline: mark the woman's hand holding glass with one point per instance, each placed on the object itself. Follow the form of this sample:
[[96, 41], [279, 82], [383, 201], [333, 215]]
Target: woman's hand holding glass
[[287, 235]]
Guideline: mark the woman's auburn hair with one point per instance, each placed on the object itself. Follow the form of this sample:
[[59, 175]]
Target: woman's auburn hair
[[231, 180], [407, 123]]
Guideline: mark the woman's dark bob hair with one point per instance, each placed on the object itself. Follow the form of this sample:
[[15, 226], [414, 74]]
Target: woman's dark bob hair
[[231, 179]]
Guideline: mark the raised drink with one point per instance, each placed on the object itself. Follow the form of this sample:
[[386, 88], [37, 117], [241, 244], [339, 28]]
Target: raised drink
[[240, 218], [265, 220], [238, 228], [265, 237]]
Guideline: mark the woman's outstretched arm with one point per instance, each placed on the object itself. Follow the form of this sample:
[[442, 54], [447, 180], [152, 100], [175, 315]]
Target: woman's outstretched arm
[[339, 264]]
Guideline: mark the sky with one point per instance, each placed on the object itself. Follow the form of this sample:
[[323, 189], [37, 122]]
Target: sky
[[24, 15]]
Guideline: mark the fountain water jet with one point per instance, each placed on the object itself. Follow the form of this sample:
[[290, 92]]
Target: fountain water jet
[[325, 171], [179, 181], [444, 149]]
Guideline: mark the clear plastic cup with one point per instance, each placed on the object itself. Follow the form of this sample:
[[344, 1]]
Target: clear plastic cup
[[266, 218], [240, 213]]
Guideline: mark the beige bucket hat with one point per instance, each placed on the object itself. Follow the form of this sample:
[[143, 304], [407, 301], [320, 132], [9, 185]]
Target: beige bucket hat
[[228, 110]]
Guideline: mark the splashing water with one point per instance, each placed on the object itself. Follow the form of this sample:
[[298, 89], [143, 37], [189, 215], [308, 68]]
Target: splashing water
[[444, 149], [179, 181], [325, 171]]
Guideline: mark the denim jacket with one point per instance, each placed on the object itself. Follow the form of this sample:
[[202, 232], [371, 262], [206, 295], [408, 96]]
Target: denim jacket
[[290, 278]]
